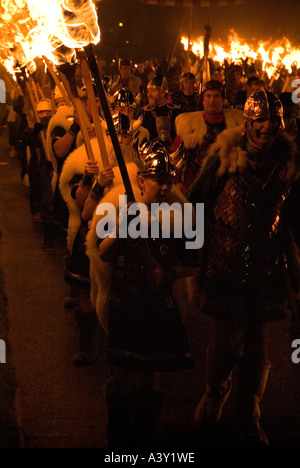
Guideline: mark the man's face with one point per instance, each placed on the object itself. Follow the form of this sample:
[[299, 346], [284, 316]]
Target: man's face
[[212, 102], [124, 140], [254, 88], [124, 72], [155, 188], [155, 96], [237, 77], [188, 87], [126, 110], [263, 133]]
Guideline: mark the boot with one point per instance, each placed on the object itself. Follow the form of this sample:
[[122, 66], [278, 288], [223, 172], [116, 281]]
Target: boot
[[146, 407], [251, 384], [209, 408], [119, 422], [88, 326], [217, 390]]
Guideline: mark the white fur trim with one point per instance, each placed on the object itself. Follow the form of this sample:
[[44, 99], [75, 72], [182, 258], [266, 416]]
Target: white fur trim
[[232, 156], [191, 126]]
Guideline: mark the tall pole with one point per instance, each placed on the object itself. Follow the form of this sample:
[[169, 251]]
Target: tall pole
[[94, 109], [69, 71], [190, 36], [89, 50]]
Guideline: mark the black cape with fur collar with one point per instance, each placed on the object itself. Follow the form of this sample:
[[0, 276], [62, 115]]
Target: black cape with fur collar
[[227, 155]]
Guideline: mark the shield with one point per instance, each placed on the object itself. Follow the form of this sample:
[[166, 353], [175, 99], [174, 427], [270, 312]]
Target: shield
[[163, 128]]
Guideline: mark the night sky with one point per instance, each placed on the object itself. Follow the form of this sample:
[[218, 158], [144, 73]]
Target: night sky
[[153, 30]]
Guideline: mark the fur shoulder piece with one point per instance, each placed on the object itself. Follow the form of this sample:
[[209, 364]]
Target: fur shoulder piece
[[228, 147], [75, 164], [63, 118], [232, 156], [191, 126]]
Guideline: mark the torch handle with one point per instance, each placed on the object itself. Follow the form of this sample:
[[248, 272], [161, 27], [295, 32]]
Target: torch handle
[[95, 114], [57, 82], [108, 117], [79, 109]]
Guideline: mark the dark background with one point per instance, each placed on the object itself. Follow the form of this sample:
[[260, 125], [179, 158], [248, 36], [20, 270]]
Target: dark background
[[152, 30]]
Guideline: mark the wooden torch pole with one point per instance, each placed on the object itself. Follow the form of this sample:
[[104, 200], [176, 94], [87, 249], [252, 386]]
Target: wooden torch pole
[[57, 82], [68, 71], [95, 113], [33, 106], [108, 117]]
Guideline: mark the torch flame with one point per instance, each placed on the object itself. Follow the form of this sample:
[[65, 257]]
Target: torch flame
[[51, 28], [272, 55]]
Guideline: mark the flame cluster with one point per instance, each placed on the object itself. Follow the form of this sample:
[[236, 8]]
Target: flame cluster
[[272, 56], [53, 28]]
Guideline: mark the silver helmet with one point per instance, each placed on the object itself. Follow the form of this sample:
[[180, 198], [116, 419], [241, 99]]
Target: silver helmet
[[122, 124], [123, 98], [159, 82], [157, 162], [263, 105]]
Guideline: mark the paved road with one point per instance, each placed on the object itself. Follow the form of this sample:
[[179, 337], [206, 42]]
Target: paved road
[[61, 406]]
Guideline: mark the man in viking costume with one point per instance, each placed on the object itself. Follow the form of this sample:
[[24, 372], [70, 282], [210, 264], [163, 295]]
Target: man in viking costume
[[124, 102], [39, 168], [188, 98], [63, 137], [159, 114], [248, 190], [135, 302], [82, 194], [198, 130], [125, 79]]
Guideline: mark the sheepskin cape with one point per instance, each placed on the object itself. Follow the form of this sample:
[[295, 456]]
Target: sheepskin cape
[[75, 165], [63, 118], [191, 126], [101, 272]]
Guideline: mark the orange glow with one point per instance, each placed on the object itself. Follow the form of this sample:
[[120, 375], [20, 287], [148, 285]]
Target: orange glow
[[33, 28], [272, 55]]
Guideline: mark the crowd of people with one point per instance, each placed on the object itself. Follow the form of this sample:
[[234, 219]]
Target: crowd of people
[[238, 153]]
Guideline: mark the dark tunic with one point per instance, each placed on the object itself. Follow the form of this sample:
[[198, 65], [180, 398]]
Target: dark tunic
[[160, 122], [145, 327], [187, 103], [196, 156], [244, 241]]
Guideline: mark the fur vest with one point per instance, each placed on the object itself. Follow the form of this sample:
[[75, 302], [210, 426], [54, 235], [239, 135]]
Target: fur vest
[[191, 126], [63, 118], [101, 272]]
